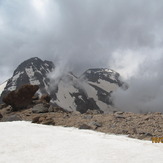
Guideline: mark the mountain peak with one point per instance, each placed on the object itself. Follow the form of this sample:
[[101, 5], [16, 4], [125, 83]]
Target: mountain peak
[[32, 71], [90, 91]]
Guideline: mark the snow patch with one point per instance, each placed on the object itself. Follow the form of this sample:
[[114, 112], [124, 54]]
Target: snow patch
[[92, 93], [64, 95], [26, 142], [2, 87], [105, 85], [14, 80], [31, 76]]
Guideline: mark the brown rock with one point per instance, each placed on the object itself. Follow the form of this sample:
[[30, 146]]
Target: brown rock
[[11, 118], [35, 119], [45, 98], [51, 108], [120, 116], [22, 97], [1, 116], [49, 121], [2, 106], [35, 97], [85, 126], [41, 119]]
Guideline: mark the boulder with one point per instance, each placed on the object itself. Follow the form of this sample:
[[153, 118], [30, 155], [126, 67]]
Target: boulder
[[45, 98], [1, 116], [51, 108], [3, 106], [12, 118], [35, 97], [94, 123], [35, 119], [22, 97], [85, 126], [88, 116], [41, 119], [93, 111], [40, 108], [48, 121]]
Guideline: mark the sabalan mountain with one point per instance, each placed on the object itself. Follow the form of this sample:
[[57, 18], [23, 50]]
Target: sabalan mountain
[[92, 90]]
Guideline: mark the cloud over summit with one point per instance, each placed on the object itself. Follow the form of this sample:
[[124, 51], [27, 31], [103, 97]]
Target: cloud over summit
[[84, 34]]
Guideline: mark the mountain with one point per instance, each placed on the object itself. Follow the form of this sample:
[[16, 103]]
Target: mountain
[[92, 90], [33, 71]]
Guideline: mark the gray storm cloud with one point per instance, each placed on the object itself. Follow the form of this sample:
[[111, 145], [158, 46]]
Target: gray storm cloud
[[145, 89], [123, 35]]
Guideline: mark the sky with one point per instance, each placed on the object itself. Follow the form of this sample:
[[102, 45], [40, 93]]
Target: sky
[[122, 35]]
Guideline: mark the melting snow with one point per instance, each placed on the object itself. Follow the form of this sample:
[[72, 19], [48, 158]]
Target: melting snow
[[24, 142]]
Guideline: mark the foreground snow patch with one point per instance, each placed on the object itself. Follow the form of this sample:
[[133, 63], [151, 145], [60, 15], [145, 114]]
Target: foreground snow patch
[[24, 142]]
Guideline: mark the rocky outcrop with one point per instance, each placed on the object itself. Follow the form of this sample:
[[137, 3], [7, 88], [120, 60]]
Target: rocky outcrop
[[1, 116], [45, 120], [45, 98], [22, 97], [40, 108], [11, 118]]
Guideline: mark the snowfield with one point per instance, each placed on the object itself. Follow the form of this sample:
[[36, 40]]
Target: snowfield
[[2, 86], [24, 142]]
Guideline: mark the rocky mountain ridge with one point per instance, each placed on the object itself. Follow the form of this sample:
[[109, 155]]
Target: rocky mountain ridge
[[92, 90]]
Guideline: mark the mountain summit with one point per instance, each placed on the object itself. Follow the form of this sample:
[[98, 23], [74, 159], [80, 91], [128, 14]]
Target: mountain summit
[[92, 90]]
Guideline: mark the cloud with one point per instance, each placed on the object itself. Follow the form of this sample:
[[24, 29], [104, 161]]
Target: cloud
[[83, 34], [145, 89]]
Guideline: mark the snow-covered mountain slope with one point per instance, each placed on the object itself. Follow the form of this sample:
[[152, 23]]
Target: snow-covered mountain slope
[[32, 71], [103, 82], [24, 142], [92, 90], [2, 87], [71, 95]]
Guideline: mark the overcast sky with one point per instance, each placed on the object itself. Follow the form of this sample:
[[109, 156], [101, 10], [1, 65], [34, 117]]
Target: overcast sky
[[123, 35]]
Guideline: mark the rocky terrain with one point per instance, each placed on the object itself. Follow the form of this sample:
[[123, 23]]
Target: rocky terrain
[[83, 102], [39, 110]]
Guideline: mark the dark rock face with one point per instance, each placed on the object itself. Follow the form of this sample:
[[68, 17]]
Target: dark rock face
[[22, 97], [93, 75]]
